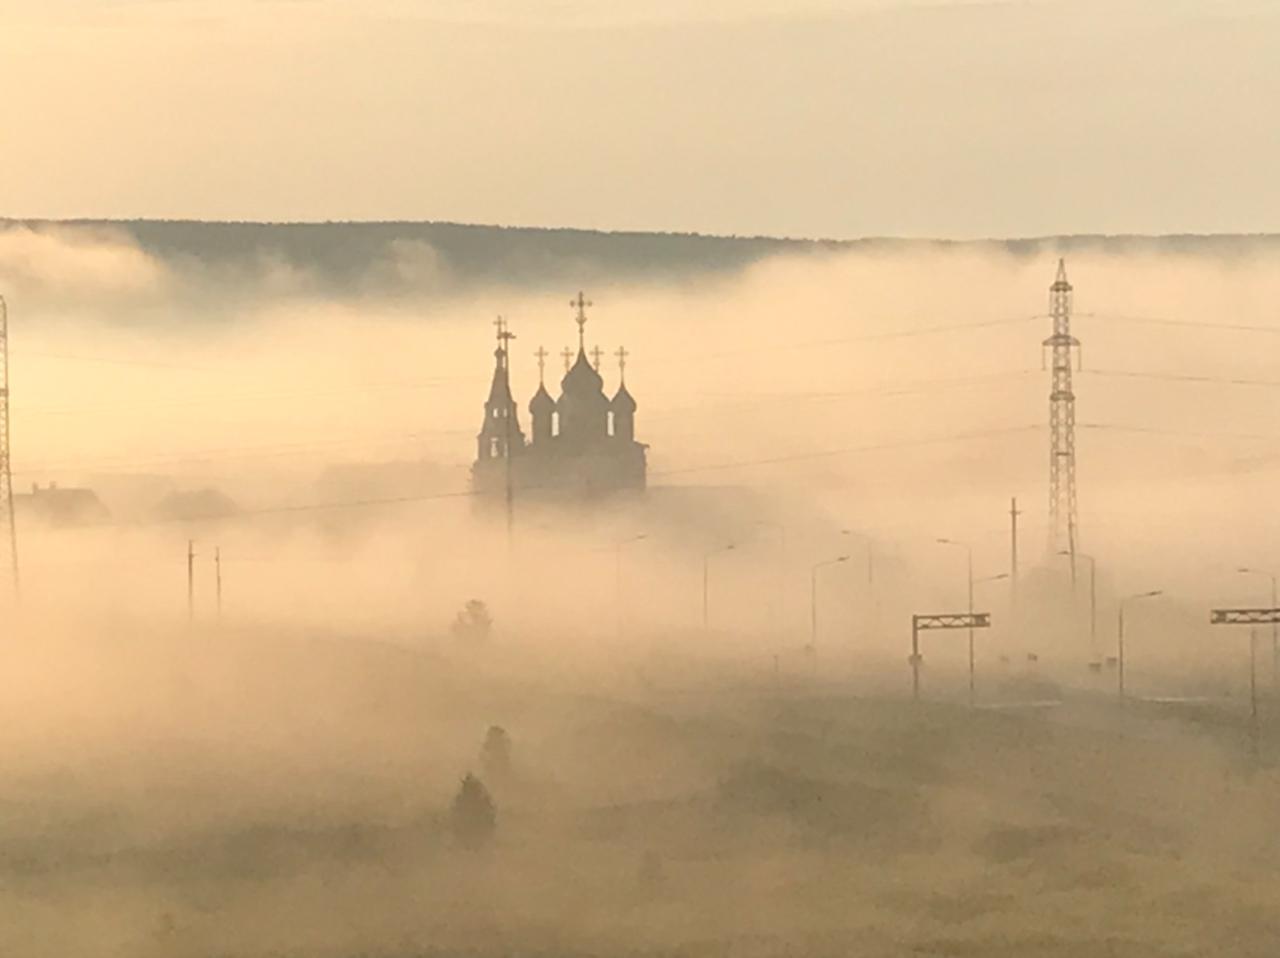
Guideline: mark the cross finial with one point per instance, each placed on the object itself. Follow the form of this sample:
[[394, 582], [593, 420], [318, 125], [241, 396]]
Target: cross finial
[[596, 353], [542, 363], [581, 303], [504, 336], [567, 355], [622, 355]]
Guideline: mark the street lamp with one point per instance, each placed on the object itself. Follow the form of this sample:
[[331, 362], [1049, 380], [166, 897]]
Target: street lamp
[[871, 554], [813, 599], [706, 579], [1093, 600], [617, 577], [1120, 636], [1275, 637], [969, 551]]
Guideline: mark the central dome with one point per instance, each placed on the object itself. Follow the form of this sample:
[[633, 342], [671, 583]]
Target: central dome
[[582, 378]]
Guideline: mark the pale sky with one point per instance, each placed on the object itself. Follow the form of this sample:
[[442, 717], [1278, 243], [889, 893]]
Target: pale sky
[[838, 118]]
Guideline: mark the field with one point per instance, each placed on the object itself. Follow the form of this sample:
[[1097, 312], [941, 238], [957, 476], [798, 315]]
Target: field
[[249, 796]]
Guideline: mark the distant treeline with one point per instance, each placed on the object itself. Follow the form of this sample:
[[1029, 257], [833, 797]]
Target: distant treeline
[[409, 255]]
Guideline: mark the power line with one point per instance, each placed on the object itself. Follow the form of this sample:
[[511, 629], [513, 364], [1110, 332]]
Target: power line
[[864, 338], [273, 450], [887, 389], [258, 397], [1187, 323], [881, 391], [845, 450], [111, 361], [469, 493], [266, 451], [1182, 377], [1179, 433]]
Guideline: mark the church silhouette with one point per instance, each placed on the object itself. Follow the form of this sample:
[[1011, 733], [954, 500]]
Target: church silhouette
[[583, 444]]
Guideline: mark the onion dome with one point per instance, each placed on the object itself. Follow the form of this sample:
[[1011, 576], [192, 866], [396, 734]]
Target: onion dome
[[582, 378], [623, 400], [542, 404]]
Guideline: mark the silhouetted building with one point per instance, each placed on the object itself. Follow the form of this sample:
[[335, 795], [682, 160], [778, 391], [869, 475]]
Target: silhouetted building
[[61, 506], [583, 444]]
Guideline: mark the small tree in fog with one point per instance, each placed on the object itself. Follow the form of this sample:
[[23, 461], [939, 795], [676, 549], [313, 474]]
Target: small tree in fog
[[473, 622], [495, 755], [473, 816]]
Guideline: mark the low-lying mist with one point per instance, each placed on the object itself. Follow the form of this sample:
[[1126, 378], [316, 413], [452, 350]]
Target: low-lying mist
[[704, 689]]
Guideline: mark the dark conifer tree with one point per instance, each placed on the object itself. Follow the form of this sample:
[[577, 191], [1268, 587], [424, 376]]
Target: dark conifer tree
[[473, 816]]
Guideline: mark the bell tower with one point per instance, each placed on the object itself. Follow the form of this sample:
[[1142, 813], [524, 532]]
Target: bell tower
[[500, 436]]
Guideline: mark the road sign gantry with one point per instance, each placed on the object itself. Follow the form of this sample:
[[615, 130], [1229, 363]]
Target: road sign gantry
[[939, 620]]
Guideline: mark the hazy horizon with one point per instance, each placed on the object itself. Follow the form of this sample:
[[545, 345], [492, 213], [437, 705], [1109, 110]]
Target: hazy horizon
[[839, 119]]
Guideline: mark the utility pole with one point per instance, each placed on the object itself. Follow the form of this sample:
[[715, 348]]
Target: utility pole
[[191, 581], [1253, 690], [1062, 424], [6, 467], [1275, 635], [1013, 552], [1093, 608]]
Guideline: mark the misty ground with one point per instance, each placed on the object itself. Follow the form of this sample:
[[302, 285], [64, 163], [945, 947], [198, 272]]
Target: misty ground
[[251, 795], [281, 786]]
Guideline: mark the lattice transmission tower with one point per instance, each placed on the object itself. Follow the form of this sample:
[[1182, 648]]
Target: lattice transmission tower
[[1063, 531], [7, 526]]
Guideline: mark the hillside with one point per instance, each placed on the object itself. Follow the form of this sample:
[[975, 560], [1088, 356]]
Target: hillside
[[410, 256]]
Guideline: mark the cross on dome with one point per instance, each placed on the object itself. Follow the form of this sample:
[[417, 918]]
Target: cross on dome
[[504, 335], [581, 303]]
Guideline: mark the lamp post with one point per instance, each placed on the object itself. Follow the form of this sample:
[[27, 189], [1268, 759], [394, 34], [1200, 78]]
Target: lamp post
[[969, 552], [972, 656], [1248, 617], [1093, 601], [1275, 637], [617, 577], [706, 582], [1120, 636], [871, 554], [813, 599]]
